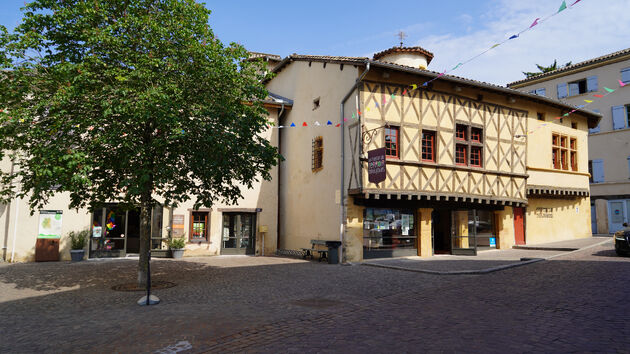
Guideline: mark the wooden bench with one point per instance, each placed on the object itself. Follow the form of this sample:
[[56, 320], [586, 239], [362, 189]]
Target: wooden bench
[[310, 252]]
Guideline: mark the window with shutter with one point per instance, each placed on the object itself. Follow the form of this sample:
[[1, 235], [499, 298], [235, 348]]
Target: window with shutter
[[562, 90], [625, 75], [541, 92], [628, 166], [596, 129], [591, 83], [618, 116], [598, 171]]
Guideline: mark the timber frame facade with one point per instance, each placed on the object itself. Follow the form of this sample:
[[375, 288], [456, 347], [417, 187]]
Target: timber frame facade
[[500, 180]]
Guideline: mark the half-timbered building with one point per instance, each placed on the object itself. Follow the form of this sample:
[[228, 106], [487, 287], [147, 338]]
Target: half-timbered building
[[424, 163]]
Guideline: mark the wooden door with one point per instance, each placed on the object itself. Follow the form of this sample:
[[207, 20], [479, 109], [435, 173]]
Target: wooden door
[[47, 250], [519, 226]]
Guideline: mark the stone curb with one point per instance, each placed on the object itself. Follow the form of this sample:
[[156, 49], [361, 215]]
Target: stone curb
[[524, 261]]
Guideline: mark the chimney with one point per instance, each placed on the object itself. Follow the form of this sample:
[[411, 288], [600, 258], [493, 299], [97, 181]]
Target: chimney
[[415, 57]]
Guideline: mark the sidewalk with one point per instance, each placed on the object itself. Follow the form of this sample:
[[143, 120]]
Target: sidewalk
[[489, 260]]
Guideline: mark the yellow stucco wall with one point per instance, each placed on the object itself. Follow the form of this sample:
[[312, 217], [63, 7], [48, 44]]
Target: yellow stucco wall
[[505, 227], [549, 220]]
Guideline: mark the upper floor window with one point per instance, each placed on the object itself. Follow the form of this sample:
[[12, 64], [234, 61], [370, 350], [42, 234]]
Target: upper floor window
[[539, 91], [577, 87], [563, 152], [468, 145], [391, 142], [596, 129], [317, 158], [428, 146], [596, 170], [540, 116], [621, 117], [625, 75]]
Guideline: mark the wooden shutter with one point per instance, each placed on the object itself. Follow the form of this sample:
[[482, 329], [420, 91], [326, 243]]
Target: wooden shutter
[[562, 90], [591, 83], [628, 165], [574, 89], [618, 115], [596, 129], [625, 75], [598, 171], [541, 92]]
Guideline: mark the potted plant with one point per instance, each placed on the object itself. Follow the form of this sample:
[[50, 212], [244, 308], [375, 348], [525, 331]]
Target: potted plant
[[177, 246], [78, 240]]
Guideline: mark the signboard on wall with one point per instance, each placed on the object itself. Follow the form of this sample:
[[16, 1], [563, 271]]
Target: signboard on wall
[[50, 224], [376, 165], [178, 225]]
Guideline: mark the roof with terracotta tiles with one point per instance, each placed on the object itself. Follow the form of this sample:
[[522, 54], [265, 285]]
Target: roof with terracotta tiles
[[416, 50]]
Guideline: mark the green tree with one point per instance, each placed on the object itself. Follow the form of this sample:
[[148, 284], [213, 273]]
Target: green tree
[[133, 101], [544, 69]]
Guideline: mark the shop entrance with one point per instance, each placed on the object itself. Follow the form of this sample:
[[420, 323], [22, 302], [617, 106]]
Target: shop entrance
[[441, 229], [462, 232], [239, 233]]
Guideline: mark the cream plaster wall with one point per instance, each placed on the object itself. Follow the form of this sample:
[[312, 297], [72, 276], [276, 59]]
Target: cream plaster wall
[[571, 219], [263, 195], [407, 59], [309, 208]]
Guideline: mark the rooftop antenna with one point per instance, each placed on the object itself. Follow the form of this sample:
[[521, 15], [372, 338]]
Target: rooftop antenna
[[401, 35]]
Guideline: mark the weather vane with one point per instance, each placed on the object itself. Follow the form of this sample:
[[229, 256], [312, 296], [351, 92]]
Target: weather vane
[[401, 35]]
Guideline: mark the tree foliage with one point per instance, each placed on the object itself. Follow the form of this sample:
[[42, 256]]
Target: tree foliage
[[134, 101], [544, 69]]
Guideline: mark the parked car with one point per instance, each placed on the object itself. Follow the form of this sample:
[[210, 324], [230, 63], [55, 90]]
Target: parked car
[[622, 241]]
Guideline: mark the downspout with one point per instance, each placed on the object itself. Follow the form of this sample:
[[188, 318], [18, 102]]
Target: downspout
[[7, 222], [278, 193], [343, 155]]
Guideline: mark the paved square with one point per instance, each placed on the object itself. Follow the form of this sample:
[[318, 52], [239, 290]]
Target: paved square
[[575, 302]]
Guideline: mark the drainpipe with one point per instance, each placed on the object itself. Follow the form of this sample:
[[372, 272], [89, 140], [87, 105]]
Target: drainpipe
[[343, 155], [279, 184], [15, 224], [7, 222]]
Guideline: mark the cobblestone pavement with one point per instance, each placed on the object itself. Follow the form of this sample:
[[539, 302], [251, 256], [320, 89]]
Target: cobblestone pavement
[[576, 302]]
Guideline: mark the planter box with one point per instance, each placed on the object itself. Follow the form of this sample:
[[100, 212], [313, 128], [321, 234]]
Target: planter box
[[177, 253], [77, 255]]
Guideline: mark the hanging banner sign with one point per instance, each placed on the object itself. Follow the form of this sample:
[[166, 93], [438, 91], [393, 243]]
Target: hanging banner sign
[[376, 165], [49, 224]]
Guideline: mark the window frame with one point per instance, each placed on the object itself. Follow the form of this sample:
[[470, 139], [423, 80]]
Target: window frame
[[564, 152], [191, 216], [432, 134], [468, 144], [396, 143], [317, 154]]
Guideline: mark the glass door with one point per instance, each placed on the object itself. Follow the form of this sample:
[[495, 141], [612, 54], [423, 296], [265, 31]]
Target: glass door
[[464, 232], [618, 215], [238, 235]]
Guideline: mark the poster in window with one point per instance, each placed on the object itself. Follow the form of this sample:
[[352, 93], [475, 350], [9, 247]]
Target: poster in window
[[97, 231], [405, 224], [178, 225], [50, 224]]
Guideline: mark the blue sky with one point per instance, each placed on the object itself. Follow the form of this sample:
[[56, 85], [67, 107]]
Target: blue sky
[[453, 30]]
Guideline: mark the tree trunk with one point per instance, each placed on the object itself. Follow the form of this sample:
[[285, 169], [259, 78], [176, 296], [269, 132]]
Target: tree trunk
[[145, 244]]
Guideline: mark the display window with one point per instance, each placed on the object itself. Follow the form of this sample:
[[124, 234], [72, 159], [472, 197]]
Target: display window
[[389, 230]]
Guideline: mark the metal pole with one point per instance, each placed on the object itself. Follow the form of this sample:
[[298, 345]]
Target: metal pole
[[149, 278]]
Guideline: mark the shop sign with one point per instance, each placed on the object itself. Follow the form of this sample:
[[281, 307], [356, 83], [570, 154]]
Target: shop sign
[[178, 225], [544, 213], [376, 165], [50, 224], [493, 242]]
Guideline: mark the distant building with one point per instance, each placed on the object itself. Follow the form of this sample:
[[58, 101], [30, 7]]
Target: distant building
[[609, 142]]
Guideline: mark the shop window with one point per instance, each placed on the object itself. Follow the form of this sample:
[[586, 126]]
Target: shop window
[[428, 146], [564, 152], [475, 156], [392, 142], [317, 159], [199, 224], [460, 154], [390, 230]]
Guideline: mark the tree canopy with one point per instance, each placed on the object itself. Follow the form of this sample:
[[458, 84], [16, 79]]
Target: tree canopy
[[544, 69], [132, 101]]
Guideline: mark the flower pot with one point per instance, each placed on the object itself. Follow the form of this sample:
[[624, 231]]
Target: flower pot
[[177, 253], [77, 255]]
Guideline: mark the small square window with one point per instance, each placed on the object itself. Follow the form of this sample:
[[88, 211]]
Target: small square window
[[540, 116], [475, 135], [391, 142], [460, 132], [574, 125], [460, 154]]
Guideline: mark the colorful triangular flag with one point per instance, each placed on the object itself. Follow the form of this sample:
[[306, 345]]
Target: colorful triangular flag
[[414, 86], [514, 36], [600, 96], [588, 101], [496, 45], [338, 124], [609, 90], [563, 6], [534, 23], [316, 124], [576, 2], [329, 123], [292, 125], [621, 83], [304, 124]]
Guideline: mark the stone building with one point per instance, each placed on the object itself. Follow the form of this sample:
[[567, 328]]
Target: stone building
[[609, 142]]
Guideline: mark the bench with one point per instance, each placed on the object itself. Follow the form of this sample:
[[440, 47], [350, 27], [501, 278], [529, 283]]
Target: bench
[[310, 252]]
